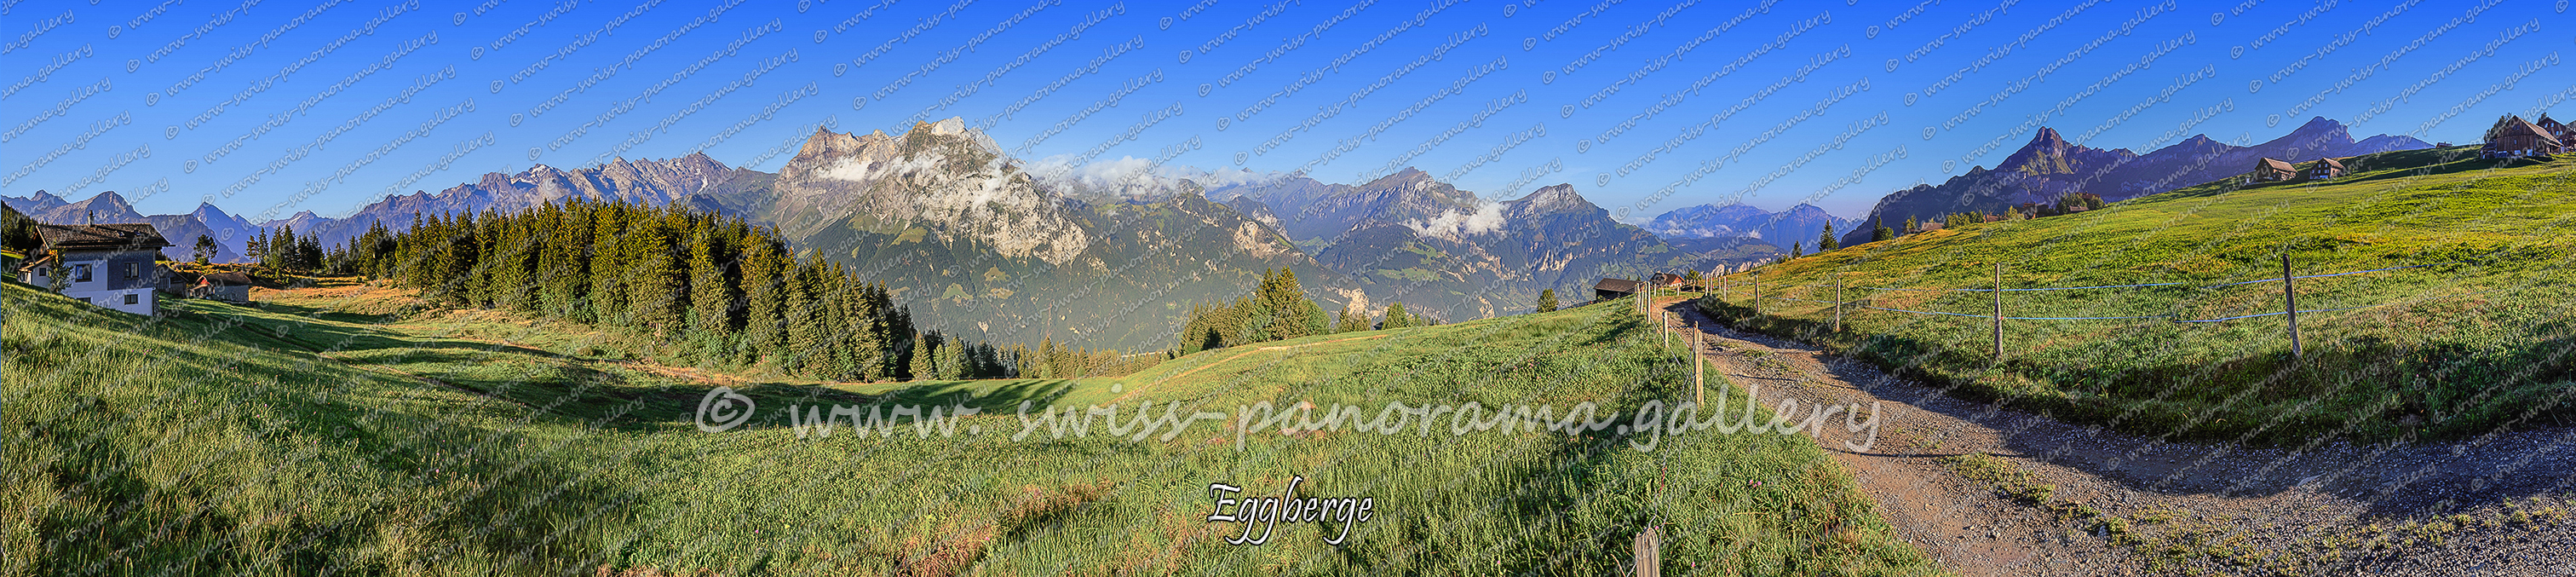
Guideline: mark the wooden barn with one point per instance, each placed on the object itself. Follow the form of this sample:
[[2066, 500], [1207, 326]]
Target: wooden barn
[[2513, 137], [2323, 168], [2272, 170], [1613, 288]]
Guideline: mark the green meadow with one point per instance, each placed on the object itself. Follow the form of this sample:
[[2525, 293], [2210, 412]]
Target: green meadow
[[352, 431], [2476, 342]]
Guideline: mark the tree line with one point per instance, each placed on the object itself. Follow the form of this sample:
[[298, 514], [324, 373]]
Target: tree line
[[1277, 309], [730, 292]]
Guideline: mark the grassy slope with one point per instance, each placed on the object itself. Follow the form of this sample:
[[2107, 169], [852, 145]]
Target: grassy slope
[[2468, 348], [220, 440]]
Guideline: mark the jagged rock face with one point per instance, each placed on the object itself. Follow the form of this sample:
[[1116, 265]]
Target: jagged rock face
[[1312, 212], [942, 176], [105, 207], [1449, 253], [181, 230], [2049, 167]]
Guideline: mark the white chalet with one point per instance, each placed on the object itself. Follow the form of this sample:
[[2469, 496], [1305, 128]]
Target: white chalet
[[109, 265]]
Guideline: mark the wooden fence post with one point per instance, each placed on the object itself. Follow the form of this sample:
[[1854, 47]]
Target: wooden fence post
[[1838, 303], [1650, 552], [1999, 309], [2290, 301], [1699, 374]]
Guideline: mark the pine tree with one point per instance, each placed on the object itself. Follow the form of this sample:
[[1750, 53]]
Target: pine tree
[[206, 249], [1913, 225], [1797, 250], [811, 316], [1352, 320], [764, 287], [711, 298], [1547, 300], [279, 248], [657, 299], [1396, 318], [1881, 232], [1825, 241], [951, 361], [564, 264], [607, 267], [256, 249], [922, 347]]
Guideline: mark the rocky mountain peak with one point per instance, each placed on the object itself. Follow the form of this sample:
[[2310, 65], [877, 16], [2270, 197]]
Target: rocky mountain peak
[[2047, 153], [1550, 200]]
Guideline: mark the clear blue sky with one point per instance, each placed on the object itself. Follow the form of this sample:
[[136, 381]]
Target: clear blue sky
[[275, 106]]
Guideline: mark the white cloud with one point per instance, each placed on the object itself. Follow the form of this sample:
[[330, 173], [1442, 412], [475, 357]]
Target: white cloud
[[1132, 177], [1456, 225], [855, 170]]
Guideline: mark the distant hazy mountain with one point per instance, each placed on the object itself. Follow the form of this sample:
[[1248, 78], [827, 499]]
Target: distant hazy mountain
[[648, 182], [181, 230], [2049, 166], [978, 246], [1439, 249], [1798, 225]]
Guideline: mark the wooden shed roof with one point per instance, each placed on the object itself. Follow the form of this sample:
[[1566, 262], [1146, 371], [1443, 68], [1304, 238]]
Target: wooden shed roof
[[129, 236]]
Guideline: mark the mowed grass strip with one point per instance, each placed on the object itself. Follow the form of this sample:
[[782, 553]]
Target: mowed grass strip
[[2458, 349], [299, 437]]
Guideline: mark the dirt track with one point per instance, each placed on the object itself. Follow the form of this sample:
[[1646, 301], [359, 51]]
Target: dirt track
[[2492, 506]]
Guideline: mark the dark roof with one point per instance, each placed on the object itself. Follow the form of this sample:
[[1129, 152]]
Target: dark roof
[[2511, 127], [131, 236], [1617, 285], [2330, 162], [227, 279]]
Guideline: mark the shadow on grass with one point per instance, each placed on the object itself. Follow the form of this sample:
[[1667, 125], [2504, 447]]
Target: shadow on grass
[[188, 449], [2178, 415]]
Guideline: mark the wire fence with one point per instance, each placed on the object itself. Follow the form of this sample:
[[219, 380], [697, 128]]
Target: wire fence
[[2289, 302]]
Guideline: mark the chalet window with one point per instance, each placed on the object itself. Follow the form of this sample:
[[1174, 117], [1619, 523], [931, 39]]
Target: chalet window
[[131, 298], [80, 273], [133, 270]]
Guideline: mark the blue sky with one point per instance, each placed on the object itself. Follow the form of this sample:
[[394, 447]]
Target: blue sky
[[268, 107]]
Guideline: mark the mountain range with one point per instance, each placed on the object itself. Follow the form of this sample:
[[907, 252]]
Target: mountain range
[[1799, 225], [1112, 254], [2049, 167]]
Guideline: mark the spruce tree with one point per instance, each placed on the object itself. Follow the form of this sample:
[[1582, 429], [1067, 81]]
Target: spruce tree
[[564, 265], [256, 249], [1825, 241], [607, 267], [711, 298], [1547, 300], [657, 300], [1396, 317], [1881, 232], [206, 248], [276, 254], [764, 287], [1352, 320]]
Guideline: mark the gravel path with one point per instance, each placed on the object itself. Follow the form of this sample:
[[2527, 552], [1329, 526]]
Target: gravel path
[[2061, 499]]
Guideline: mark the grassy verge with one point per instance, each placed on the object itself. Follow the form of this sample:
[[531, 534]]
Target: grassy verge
[[309, 436], [2166, 541], [2458, 349]]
